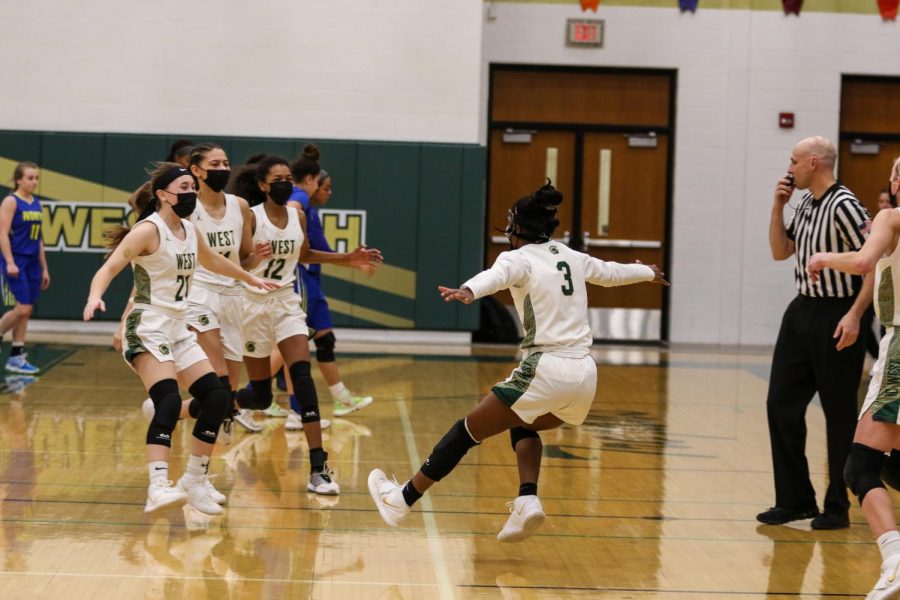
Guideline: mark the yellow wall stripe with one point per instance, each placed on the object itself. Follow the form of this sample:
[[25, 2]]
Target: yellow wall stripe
[[387, 278], [373, 316], [861, 7], [54, 185]]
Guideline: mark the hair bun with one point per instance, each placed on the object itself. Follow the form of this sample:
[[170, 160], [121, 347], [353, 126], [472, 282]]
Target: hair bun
[[547, 196], [311, 152]]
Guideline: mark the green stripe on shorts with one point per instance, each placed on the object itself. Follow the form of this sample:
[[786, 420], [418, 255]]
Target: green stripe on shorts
[[512, 389], [134, 345], [887, 403]]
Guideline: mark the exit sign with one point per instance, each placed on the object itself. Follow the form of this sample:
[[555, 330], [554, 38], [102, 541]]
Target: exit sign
[[584, 32]]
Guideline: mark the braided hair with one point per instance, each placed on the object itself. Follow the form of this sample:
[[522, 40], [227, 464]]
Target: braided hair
[[533, 218]]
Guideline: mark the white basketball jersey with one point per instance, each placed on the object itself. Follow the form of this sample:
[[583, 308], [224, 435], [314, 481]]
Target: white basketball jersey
[[222, 235], [164, 278], [887, 288], [547, 282], [282, 265]]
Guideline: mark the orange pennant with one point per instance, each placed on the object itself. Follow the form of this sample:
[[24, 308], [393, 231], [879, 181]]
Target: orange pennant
[[590, 4]]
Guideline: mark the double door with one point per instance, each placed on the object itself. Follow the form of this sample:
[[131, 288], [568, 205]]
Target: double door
[[615, 182]]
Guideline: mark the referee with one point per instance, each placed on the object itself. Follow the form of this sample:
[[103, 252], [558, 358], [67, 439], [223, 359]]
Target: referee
[[818, 348]]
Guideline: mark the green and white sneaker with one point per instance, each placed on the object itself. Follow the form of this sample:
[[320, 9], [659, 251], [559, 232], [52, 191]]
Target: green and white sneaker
[[347, 403], [276, 411]]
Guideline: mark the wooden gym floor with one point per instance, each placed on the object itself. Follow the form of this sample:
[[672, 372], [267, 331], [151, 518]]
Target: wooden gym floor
[[654, 497]]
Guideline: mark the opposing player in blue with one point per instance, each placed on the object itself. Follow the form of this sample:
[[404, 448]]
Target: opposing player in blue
[[23, 265]]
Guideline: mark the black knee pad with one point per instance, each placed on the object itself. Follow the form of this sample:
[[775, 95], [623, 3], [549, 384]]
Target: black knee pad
[[305, 391], [325, 347], [167, 408], [258, 397], [862, 472], [890, 470], [517, 434], [448, 452], [213, 400]]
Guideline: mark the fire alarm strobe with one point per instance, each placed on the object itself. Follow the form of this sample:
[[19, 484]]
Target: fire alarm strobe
[[786, 120]]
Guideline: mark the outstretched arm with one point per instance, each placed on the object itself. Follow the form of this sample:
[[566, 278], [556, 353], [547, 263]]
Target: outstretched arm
[[883, 237], [611, 274], [142, 239], [509, 270], [217, 263]]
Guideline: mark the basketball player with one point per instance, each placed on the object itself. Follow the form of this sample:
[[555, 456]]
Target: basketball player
[[23, 265], [554, 384], [163, 249], [274, 318], [878, 430]]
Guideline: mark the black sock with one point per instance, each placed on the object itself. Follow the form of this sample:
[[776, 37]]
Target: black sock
[[17, 349], [528, 489], [410, 493], [317, 458]]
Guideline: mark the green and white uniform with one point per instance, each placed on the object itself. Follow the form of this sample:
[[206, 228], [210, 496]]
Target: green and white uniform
[[270, 317], [215, 301], [547, 282], [158, 321], [883, 396]]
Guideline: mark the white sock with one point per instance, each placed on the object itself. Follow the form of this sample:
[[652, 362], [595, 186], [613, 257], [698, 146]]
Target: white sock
[[337, 389], [158, 469], [196, 467], [889, 544]]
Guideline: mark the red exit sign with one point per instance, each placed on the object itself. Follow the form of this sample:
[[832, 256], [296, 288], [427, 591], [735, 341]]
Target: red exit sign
[[584, 32]]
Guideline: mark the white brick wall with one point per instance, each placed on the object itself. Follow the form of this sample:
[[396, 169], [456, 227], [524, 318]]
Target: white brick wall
[[386, 69], [736, 71]]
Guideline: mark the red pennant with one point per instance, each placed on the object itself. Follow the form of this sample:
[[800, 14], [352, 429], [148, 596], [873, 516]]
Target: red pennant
[[590, 4], [792, 6], [888, 9]]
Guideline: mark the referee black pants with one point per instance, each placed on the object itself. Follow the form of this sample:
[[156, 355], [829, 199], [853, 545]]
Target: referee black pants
[[806, 362]]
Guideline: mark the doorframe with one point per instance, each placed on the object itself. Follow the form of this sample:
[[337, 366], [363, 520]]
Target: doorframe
[[669, 129]]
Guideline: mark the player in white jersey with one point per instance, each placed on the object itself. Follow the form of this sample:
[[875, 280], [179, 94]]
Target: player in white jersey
[[873, 457], [164, 249], [215, 304], [556, 381], [275, 318]]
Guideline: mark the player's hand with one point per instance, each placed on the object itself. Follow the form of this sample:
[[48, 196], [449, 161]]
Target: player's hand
[[815, 265], [93, 304], [261, 283], [463, 295], [783, 190], [847, 331], [12, 270], [658, 276], [117, 340], [262, 250], [363, 256], [45, 279]]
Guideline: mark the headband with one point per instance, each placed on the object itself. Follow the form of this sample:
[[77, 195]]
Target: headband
[[163, 181]]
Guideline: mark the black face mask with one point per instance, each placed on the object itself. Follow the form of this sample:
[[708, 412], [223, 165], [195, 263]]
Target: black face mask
[[280, 191], [217, 179], [187, 202]]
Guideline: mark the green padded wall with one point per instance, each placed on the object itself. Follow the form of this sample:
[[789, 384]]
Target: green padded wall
[[423, 203]]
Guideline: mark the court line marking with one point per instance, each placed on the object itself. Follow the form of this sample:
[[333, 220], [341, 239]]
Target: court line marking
[[201, 578], [445, 586]]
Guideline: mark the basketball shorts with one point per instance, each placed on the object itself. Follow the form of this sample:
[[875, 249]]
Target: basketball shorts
[[546, 382], [314, 304], [26, 287], [883, 396], [163, 335], [221, 309], [271, 318]]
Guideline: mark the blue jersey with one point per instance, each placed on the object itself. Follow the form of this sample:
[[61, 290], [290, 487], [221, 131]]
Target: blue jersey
[[314, 232], [25, 233]]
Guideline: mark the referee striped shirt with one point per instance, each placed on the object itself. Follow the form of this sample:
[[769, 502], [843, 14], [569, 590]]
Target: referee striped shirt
[[838, 222]]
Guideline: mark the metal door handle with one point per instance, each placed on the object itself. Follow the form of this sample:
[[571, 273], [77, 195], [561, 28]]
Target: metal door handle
[[590, 242]]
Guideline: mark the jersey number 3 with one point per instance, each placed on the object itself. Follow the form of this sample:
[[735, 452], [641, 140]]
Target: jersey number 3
[[569, 288]]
